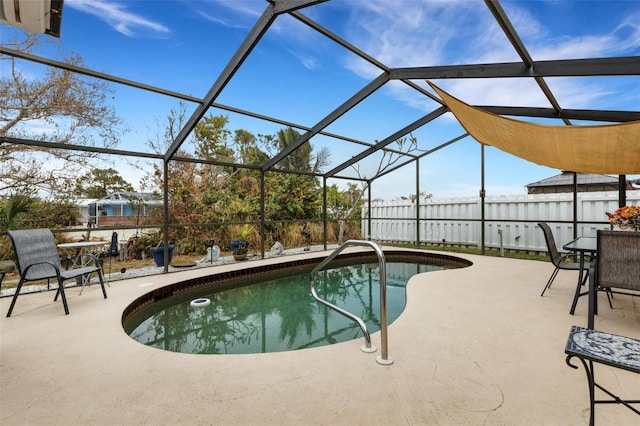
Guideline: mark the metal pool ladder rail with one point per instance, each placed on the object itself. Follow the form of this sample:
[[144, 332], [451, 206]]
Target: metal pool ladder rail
[[383, 358]]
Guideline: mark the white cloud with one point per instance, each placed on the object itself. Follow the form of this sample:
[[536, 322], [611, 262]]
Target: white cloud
[[116, 15], [230, 14], [575, 47], [629, 32], [307, 61], [406, 33], [412, 33], [251, 9]]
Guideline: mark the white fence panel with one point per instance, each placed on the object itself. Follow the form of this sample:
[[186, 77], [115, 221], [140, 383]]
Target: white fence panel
[[395, 221]]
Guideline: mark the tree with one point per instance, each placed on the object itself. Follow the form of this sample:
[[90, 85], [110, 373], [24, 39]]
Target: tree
[[226, 186], [343, 205], [100, 182], [59, 107], [291, 196], [349, 203]]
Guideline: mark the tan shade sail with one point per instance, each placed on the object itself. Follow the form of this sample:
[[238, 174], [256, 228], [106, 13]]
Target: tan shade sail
[[605, 149]]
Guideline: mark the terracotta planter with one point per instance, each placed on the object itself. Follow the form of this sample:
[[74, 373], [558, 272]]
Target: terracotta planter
[[239, 257], [239, 249]]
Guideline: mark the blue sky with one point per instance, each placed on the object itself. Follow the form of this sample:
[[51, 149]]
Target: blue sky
[[297, 75]]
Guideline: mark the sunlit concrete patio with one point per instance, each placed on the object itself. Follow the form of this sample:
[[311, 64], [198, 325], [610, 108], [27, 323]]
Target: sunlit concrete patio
[[474, 346]]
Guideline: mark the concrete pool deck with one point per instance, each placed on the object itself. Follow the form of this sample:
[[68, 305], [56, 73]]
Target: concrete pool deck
[[476, 345]]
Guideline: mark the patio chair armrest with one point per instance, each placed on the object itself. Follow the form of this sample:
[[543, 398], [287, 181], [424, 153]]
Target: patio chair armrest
[[53, 265]]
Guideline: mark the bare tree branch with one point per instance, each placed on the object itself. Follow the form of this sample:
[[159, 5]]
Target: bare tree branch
[[58, 107]]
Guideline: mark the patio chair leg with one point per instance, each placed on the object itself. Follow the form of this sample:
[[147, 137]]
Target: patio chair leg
[[64, 297], [101, 277], [609, 296], [15, 297], [551, 278]]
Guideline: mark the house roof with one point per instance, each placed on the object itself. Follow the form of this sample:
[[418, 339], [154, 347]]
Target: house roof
[[126, 196], [566, 178]]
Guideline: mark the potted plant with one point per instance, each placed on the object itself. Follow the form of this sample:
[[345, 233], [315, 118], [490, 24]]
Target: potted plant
[[240, 245], [157, 251], [625, 218], [240, 250]]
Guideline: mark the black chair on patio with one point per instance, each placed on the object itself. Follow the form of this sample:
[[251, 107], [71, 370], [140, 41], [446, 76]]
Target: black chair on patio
[[616, 269], [558, 259], [37, 259]]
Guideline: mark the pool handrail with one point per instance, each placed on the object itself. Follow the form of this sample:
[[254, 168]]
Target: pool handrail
[[383, 358]]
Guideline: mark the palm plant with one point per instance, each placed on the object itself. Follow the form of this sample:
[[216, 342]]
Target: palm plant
[[16, 204], [300, 159]]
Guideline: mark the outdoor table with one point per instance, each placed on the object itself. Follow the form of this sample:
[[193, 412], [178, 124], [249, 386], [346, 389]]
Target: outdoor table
[[582, 246], [593, 346], [80, 260]]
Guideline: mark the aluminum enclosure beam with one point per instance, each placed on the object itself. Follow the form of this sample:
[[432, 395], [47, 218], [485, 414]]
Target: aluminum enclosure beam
[[572, 114], [380, 81], [424, 154], [629, 65], [400, 133], [154, 89], [288, 6], [261, 26], [514, 38], [353, 49], [73, 147], [96, 74], [577, 114]]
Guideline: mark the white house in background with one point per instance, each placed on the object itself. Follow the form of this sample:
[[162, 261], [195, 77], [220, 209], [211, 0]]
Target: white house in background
[[82, 205], [117, 208]]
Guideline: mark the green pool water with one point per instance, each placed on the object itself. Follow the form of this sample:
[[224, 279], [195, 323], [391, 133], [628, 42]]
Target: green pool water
[[278, 314]]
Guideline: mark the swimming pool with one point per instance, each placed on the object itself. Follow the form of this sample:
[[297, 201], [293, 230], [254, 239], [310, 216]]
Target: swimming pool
[[272, 310]]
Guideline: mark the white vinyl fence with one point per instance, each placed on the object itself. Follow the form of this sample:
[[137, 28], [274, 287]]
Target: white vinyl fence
[[513, 218]]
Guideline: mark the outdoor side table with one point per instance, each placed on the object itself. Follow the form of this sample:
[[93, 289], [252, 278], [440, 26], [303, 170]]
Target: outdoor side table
[[81, 258], [593, 346]]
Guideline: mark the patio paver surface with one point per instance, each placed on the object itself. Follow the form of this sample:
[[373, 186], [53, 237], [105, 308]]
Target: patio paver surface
[[474, 346]]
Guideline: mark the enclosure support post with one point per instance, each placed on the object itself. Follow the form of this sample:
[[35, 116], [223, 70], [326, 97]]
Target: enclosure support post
[[622, 190], [575, 205], [262, 209], [324, 210], [369, 183], [482, 194], [418, 202], [165, 226]]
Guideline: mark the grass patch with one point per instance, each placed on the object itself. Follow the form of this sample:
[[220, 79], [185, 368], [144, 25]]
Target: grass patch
[[473, 250]]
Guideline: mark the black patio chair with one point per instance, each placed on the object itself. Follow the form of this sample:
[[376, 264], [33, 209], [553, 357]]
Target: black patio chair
[[558, 259], [37, 259], [616, 269]]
